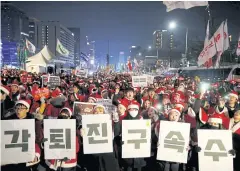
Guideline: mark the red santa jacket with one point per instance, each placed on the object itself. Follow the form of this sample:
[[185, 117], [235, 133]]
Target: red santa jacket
[[54, 164], [52, 111]]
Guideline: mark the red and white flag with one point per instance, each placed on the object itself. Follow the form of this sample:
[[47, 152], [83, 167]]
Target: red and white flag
[[215, 44], [129, 64], [238, 47], [172, 5], [226, 37]]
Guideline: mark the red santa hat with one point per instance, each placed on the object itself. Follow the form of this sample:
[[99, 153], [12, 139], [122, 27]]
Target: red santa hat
[[124, 103], [93, 98], [68, 109], [180, 105], [177, 110], [5, 89], [215, 118], [15, 83], [234, 94], [56, 93], [26, 103], [134, 105]]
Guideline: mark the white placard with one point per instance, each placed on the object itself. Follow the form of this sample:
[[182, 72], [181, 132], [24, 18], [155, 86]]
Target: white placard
[[107, 103], [212, 142], [98, 136], [173, 141], [61, 138], [139, 81], [17, 141], [134, 131], [81, 72]]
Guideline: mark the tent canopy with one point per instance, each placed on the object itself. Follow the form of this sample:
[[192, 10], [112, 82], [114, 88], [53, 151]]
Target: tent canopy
[[41, 58]]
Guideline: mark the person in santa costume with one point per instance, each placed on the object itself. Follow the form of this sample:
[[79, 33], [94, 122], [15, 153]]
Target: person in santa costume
[[14, 94], [121, 109], [152, 97], [174, 115], [220, 107], [233, 124], [64, 164], [129, 97], [232, 104], [22, 112], [129, 164], [6, 102], [144, 109]]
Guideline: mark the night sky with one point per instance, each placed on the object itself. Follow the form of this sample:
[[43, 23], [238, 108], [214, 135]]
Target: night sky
[[130, 23]]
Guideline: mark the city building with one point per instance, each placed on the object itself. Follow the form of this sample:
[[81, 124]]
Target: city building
[[33, 32], [14, 31], [162, 39], [49, 32], [121, 61], [14, 23], [76, 32]]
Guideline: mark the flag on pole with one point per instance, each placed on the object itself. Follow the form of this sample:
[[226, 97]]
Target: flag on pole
[[220, 40], [207, 35], [31, 48], [238, 47], [61, 49], [84, 57], [226, 37], [172, 5], [129, 64]]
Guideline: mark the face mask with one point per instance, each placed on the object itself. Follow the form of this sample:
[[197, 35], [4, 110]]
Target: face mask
[[133, 113]]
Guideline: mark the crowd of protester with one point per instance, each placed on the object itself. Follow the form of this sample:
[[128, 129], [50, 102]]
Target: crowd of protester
[[168, 98]]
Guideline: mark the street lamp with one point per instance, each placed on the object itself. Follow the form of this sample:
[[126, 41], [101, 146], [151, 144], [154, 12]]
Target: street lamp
[[172, 25], [149, 47]]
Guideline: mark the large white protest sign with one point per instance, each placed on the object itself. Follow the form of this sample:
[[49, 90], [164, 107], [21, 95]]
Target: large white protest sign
[[60, 136], [97, 136], [139, 81], [173, 141], [215, 145], [81, 72], [136, 137], [17, 141]]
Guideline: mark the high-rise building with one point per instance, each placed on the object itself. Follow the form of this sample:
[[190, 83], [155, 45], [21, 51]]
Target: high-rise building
[[76, 32], [14, 31], [121, 61], [14, 23], [49, 32], [33, 31]]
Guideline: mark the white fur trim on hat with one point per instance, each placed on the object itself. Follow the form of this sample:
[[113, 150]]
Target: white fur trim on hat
[[132, 106], [4, 90], [70, 112], [174, 110], [215, 120], [93, 98], [234, 95], [24, 103]]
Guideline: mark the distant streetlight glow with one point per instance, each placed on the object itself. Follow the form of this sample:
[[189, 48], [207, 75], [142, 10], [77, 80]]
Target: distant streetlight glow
[[92, 62], [140, 54], [149, 47], [172, 25]]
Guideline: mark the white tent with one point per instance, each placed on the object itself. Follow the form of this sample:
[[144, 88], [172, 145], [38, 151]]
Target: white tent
[[38, 62]]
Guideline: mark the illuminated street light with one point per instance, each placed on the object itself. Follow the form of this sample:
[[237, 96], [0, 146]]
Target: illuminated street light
[[140, 54], [149, 47], [172, 25]]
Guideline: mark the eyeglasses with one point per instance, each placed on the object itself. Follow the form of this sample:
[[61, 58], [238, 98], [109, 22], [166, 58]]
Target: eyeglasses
[[20, 108]]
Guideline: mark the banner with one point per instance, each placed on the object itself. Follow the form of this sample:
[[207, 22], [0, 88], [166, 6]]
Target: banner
[[107, 103], [17, 141], [171, 5], [136, 137], [60, 136], [82, 108], [53, 81], [173, 141], [41, 92], [139, 81], [215, 44], [81, 72], [98, 135], [215, 145]]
